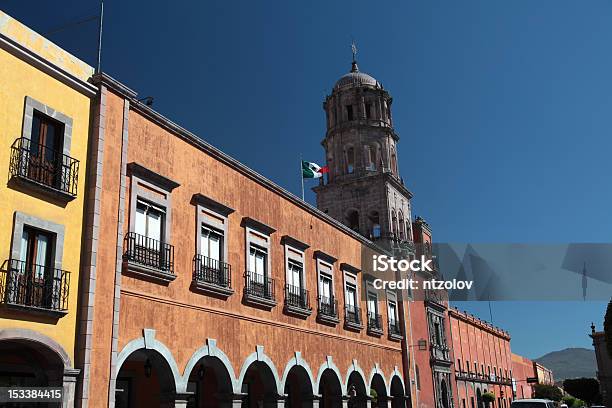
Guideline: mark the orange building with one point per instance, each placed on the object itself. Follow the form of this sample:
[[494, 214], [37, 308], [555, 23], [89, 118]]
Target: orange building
[[209, 285], [483, 361]]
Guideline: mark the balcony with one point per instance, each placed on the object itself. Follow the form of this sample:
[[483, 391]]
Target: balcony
[[49, 172], [212, 276], [352, 318], [297, 301], [149, 258], [328, 310], [395, 332], [440, 353], [35, 288], [375, 324], [259, 290]]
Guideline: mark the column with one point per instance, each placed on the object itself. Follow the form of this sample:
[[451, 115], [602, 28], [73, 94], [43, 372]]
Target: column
[[180, 400], [69, 387]]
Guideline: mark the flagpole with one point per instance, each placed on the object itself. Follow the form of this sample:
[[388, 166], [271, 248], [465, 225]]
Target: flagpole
[[302, 177]]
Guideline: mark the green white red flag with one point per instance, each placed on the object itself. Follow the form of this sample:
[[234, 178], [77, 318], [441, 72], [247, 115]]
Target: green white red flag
[[313, 170]]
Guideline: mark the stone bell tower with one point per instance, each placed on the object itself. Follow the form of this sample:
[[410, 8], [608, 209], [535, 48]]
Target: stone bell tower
[[363, 188]]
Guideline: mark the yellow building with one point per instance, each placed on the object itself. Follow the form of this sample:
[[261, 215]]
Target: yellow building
[[44, 125]]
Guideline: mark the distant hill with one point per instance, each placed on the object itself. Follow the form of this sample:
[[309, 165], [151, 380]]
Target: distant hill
[[570, 363]]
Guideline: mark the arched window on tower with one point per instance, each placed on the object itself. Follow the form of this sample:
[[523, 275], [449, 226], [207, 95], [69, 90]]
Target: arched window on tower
[[402, 226], [393, 162], [350, 160], [394, 223], [352, 220], [370, 164], [374, 219]]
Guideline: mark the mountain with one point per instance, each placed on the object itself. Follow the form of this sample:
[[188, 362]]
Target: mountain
[[570, 363]]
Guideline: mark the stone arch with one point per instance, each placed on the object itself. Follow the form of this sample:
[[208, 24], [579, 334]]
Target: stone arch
[[396, 374], [258, 356], [149, 342], [329, 364], [351, 216], [377, 370], [356, 377], [297, 360], [209, 350], [26, 335], [397, 390]]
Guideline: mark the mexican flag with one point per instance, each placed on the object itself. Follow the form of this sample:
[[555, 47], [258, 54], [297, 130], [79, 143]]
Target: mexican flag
[[313, 170]]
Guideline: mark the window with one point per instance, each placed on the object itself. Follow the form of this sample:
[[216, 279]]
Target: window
[[149, 221], [368, 110], [328, 306], [369, 158], [417, 377], [212, 273], [349, 112], [394, 223], [402, 226], [350, 160], [351, 299], [335, 116], [374, 219], [459, 364], [211, 243], [392, 315], [259, 288], [297, 299], [438, 338], [34, 277], [374, 323], [148, 252], [352, 219], [258, 262]]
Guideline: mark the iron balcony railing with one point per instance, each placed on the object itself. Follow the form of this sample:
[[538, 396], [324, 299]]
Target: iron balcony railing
[[352, 314], [260, 286], [35, 286], [149, 252], [328, 306], [38, 163], [374, 321], [209, 270], [394, 328], [297, 297]]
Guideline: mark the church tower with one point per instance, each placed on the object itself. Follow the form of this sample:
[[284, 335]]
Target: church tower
[[364, 189]]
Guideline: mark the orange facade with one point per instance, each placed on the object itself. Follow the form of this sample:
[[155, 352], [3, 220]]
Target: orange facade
[[158, 337], [483, 361]]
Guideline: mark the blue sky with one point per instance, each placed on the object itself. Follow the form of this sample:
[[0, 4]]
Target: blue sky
[[503, 107]]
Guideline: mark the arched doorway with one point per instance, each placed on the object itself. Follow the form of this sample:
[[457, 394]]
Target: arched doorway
[[210, 384], [31, 359], [378, 385], [330, 390], [397, 393], [298, 388], [356, 390], [444, 392], [259, 386], [145, 380]]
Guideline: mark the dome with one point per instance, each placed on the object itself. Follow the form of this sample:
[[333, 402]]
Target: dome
[[356, 78]]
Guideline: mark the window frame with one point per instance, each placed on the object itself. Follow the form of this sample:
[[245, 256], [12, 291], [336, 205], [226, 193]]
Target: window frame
[[349, 276], [32, 105], [215, 216]]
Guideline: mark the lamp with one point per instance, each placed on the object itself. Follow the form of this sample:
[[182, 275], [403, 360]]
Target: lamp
[[148, 368]]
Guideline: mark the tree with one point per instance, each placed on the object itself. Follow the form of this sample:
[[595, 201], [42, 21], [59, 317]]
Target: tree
[[488, 397], [608, 328], [546, 391], [586, 389]]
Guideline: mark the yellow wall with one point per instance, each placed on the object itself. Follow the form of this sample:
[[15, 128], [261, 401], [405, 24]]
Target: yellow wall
[[18, 80], [35, 42]]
